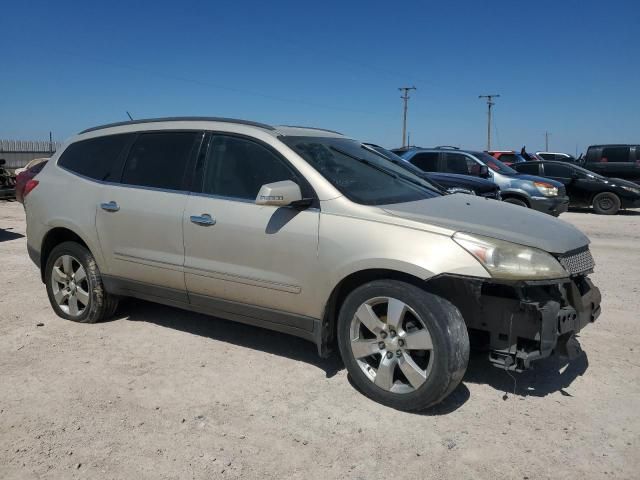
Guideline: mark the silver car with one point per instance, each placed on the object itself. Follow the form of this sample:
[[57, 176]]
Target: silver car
[[306, 232]]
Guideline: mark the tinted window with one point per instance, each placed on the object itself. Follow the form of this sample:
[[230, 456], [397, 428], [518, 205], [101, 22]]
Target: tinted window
[[159, 160], [426, 161], [359, 174], [554, 170], [530, 168], [547, 156], [237, 168], [637, 153], [615, 154], [461, 164], [95, 158]]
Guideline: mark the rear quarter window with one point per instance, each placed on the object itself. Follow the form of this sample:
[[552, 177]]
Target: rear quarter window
[[95, 158]]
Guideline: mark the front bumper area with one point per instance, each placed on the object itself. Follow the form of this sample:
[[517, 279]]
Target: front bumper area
[[551, 205], [522, 322]]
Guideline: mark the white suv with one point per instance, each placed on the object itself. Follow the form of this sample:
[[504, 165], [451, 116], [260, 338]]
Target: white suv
[[307, 232]]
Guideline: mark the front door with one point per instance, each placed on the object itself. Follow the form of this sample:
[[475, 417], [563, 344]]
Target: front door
[[242, 257], [139, 220]]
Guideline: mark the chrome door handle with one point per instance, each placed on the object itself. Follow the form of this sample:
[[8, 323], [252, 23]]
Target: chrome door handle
[[110, 206], [205, 220]]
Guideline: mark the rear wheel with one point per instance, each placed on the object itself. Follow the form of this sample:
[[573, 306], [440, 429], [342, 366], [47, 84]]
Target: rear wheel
[[74, 285], [606, 203], [516, 201], [403, 347]]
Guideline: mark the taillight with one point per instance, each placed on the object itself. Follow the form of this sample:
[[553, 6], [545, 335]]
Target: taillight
[[30, 185]]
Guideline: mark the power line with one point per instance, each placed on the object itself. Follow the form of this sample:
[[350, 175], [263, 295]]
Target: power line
[[490, 103], [405, 97]]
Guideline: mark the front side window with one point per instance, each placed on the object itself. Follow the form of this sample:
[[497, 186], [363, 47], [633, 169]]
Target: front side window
[[615, 154], [237, 168], [359, 174], [159, 160], [461, 164], [95, 158], [530, 168], [559, 171]]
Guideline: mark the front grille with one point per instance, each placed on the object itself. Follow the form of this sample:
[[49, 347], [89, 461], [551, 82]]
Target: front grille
[[577, 263]]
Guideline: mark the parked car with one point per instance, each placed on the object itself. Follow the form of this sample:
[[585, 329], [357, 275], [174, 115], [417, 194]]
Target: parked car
[[538, 193], [557, 156], [585, 188], [508, 157], [30, 164], [621, 161], [24, 180], [300, 230], [7, 181], [449, 182]]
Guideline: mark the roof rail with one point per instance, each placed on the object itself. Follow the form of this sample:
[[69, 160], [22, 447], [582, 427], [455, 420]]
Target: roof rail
[[447, 147], [180, 119], [312, 128]]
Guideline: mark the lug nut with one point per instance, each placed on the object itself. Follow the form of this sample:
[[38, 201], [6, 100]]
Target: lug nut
[[398, 353], [381, 345], [393, 333], [383, 334], [401, 342], [389, 354]]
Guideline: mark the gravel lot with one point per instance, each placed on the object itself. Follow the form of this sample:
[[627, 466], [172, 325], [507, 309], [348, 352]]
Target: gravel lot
[[160, 393]]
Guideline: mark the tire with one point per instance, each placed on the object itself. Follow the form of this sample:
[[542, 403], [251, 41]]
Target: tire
[[606, 203], [64, 280], [516, 201], [440, 369]]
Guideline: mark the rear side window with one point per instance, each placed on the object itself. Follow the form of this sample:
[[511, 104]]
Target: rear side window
[[426, 161], [237, 168], [95, 158], [530, 168], [559, 171], [546, 156], [615, 154], [159, 160]]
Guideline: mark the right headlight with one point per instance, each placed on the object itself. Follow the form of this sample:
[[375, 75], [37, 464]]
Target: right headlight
[[511, 261], [546, 189]]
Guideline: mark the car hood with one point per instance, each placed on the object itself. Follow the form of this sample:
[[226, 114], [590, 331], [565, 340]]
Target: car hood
[[512, 223], [619, 182], [462, 180], [534, 178]]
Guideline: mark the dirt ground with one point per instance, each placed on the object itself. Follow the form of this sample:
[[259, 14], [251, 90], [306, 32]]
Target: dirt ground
[[160, 393]]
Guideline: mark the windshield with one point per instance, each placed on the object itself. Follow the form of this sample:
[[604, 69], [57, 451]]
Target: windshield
[[358, 173], [494, 164]]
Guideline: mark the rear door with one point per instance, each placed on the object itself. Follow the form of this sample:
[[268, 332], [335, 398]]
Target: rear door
[[615, 161], [139, 219], [248, 259]]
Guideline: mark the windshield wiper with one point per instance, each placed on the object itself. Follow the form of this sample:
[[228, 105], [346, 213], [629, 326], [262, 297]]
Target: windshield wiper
[[366, 162]]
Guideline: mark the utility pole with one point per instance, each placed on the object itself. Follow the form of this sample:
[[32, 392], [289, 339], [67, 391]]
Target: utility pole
[[546, 141], [405, 96], [490, 103]]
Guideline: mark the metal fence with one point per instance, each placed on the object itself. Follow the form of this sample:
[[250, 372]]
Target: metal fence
[[17, 153]]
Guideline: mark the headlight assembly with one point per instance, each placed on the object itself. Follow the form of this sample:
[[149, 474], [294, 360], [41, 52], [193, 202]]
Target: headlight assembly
[[631, 189], [546, 189], [460, 190], [510, 261]]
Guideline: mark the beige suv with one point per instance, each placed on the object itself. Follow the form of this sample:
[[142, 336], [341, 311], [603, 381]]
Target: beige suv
[[310, 233]]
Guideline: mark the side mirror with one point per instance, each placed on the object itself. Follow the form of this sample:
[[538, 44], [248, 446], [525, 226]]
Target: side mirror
[[279, 194], [484, 171]]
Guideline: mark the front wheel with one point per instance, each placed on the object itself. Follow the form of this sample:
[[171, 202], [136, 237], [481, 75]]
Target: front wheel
[[606, 203], [402, 346], [516, 201]]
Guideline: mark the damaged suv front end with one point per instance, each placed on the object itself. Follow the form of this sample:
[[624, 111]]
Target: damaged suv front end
[[533, 306]]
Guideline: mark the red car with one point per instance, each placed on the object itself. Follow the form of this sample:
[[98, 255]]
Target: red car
[[25, 182], [508, 157]]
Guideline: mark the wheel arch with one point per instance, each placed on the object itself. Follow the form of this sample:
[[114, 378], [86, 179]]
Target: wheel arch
[[516, 195], [54, 237], [345, 286]]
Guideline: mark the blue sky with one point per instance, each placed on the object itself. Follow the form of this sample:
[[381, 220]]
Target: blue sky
[[569, 67]]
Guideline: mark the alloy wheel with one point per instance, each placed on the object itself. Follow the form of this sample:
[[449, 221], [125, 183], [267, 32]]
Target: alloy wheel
[[391, 344], [70, 285]]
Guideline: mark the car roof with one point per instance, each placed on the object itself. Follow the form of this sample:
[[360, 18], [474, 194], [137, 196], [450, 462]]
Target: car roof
[[615, 145], [176, 122]]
